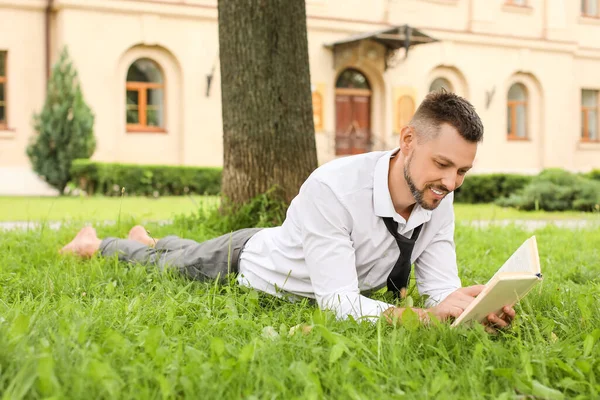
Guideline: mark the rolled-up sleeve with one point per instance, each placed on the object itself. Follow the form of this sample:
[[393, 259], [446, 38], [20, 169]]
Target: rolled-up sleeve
[[436, 270], [329, 253]]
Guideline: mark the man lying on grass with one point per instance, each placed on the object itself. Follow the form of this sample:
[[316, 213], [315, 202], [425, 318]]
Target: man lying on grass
[[356, 226]]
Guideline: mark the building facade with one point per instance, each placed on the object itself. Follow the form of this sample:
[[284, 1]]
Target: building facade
[[149, 69]]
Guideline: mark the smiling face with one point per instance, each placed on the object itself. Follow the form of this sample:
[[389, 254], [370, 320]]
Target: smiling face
[[434, 167], [437, 148]]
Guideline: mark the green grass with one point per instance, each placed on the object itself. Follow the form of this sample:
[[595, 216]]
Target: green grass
[[101, 329], [97, 208], [164, 208], [470, 212]]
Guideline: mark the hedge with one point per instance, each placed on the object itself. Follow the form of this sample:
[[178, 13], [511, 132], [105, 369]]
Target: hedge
[[144, 180], [545, 192], [487, 188]]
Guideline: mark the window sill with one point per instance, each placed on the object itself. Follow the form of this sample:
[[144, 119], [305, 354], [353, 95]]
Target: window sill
[[446, 2], [145, 129], [319, 3], [508, 7], [6, 132], [517, 139], [593, 145], [589, 19]]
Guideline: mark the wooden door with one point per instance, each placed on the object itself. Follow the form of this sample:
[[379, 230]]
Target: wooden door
[[353, 121]]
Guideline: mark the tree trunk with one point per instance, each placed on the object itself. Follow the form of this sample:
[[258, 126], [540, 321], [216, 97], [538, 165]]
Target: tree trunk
[[268, 131]]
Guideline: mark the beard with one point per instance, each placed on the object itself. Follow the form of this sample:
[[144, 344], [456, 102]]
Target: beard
[[419, 195]]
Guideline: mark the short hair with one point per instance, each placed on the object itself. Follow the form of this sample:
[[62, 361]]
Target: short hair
[[440, 107]]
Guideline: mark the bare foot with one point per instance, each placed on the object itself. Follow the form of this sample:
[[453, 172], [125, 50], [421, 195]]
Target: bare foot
[[85, 243], [139, 234]]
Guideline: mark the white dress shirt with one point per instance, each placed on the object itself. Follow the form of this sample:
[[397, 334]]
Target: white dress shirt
[[334, 246]]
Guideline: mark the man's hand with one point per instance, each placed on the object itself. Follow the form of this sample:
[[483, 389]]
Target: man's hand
[[502, 321], [456, 302], [452, 306]]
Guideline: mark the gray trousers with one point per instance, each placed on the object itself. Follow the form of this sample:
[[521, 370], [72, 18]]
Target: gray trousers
[[209, 260]]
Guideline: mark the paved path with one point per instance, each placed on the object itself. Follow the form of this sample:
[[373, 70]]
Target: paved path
[[528, 224]]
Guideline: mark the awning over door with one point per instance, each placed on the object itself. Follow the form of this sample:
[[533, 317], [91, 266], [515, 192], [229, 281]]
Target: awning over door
[[393, 39]]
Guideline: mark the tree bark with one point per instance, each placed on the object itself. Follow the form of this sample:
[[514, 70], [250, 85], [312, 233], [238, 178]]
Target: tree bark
[[268, 131]]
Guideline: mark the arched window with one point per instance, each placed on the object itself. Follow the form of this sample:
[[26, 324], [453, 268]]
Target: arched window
[[590, 8], [352, 79], [589, 115], [517, 112], [406, 110], [2, 90], [441, 83], [145, 97]]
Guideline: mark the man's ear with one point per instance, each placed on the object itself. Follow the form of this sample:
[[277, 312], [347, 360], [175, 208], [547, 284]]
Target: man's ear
[[407, 140]]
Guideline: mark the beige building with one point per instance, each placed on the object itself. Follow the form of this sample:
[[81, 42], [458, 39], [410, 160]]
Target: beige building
[[530, 67]]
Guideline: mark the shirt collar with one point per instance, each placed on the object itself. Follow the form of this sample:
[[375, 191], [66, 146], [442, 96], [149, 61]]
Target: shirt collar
[[382, 200]]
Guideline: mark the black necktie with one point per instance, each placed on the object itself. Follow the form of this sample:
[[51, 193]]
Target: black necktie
[[400, 274]]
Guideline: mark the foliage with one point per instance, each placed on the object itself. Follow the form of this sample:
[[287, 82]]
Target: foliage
[[486, 188], [145, 180], [593, 174], [266, 210], [557, 190], [64, 127], [101, 329]]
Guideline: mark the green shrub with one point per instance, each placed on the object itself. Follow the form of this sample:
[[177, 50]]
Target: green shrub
[[588, 198], [487, 188], [145, 180], [556, 190], [557, 176], [594, 174]]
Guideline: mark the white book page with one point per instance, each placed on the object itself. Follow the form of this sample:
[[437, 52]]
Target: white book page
[[510, 284], [525, 259]]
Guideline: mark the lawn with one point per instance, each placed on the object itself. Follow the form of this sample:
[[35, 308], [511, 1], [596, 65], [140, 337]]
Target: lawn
[[100, 329], [98, 208], [165, 208], [471, 212]]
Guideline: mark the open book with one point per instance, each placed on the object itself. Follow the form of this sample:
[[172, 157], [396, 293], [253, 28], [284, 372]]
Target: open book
[[519, 274]]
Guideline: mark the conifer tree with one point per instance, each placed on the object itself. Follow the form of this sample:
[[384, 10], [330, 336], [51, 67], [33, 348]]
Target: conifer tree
[[64, 127]]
